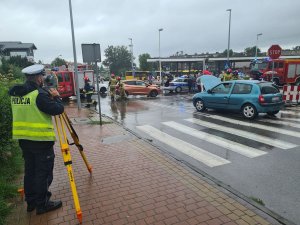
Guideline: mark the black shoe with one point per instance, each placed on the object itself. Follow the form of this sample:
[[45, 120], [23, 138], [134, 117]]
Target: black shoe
[[51, 205], [30, 207]]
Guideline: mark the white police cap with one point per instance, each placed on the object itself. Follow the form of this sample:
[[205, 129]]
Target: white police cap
[[33, 70]]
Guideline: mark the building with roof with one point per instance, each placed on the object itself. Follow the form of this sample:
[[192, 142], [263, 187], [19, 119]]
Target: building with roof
[[215, 62], [17, 48]]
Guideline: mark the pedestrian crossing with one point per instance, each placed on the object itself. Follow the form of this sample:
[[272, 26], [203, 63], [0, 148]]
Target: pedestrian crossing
[[207, 127], [230, 145], [193, 151]]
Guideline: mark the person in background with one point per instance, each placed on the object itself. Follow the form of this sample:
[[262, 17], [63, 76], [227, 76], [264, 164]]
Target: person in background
[[190, 83], [228, 75], [88, 89], [32, 108], [112, 86]]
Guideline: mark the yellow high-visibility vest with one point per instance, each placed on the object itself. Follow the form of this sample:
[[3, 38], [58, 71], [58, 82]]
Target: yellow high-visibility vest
[[29, 123]]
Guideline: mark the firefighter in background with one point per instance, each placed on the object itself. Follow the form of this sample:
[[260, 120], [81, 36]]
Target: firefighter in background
[[88, 89], [235, 75], [122, 92], [228, 75], [112, 86]]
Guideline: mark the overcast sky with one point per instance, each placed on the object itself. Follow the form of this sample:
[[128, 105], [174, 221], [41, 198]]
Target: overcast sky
[[191, 26]]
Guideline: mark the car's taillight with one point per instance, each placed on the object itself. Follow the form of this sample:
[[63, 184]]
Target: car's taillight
[[261, 99]]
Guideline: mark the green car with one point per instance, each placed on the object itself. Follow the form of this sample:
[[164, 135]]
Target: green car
[[249, 97]]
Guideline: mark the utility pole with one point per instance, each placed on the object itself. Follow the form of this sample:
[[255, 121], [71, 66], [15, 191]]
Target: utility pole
[[75, 58]]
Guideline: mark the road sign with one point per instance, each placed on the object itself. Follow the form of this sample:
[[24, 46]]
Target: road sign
[[274, 51], [91, 53]]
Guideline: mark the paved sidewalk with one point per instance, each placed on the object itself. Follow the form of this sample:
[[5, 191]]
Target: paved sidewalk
[[134, 183]]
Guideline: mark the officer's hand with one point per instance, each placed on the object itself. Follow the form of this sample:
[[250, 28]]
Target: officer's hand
[[54, 92]]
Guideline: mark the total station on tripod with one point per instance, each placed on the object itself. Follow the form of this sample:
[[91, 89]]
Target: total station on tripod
[[50, 81]]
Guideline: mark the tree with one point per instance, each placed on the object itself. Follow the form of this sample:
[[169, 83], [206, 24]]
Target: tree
[[118, 59], [13, 66], [250, 51], [144, 65], [58, 62], [225, 53], [297, 48], [18, 61]]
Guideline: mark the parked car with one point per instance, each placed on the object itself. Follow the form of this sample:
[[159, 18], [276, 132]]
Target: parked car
[[178, 85], [138, 87], [249, 97]]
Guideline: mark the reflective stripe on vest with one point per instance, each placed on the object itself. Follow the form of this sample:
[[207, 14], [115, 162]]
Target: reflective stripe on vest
[[29, 123]]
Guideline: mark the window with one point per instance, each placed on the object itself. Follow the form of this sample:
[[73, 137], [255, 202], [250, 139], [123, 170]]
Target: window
[[242, 89], [267, 88], [59, 77], [280, 65], [298, 69], [139, 83], [291, 70], [132, 82], [67, 77], [223, 88]]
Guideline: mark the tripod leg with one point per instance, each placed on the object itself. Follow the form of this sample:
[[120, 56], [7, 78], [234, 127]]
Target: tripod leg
[[68, 163], [76, 140]]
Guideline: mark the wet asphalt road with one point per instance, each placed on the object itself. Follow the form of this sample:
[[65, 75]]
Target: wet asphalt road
[[272, 177]]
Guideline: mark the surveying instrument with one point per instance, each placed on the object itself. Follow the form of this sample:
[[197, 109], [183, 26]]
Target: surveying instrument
[[61, 121]]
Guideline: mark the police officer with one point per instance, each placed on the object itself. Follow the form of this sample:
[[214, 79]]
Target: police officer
[[32, 108]]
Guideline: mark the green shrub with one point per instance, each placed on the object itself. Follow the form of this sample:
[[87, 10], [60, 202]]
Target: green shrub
[[10, 154]]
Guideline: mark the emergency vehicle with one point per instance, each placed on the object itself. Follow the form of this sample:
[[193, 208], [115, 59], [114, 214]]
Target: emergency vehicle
[[66, 85], [286, 71]]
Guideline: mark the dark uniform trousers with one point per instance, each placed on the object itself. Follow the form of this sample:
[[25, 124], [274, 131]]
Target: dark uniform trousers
[[38, 175]]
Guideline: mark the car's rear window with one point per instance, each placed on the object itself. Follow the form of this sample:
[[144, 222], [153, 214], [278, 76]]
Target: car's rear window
[[268, 88], [131, 82]]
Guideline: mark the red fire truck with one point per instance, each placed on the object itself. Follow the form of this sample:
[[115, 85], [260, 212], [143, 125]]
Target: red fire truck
[[286, 71], [66, 85]]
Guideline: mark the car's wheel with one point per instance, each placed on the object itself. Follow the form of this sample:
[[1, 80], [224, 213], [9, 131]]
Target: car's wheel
[[178, 89], [249, 111], [199, 104], [153, 94], [273, 113]]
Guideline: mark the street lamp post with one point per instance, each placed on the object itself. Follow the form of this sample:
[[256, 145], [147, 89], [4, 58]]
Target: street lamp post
[[75, 58], [257, 44], [131, 49], [228, 47], [159, 30]]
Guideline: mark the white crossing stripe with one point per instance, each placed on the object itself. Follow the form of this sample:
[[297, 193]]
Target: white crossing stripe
[[228, 144], [255, 125], [197, 153], [282, 122], [290, 119], [290, 112], [245, 134], [294, 108]]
